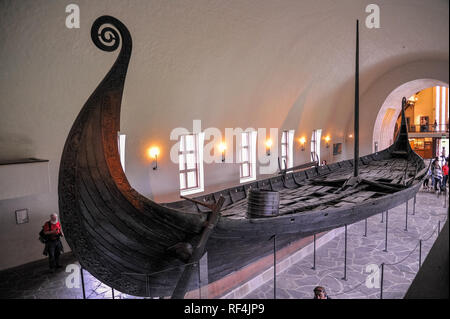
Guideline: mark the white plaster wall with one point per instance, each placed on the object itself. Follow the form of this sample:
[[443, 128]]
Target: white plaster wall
[[285, 64]]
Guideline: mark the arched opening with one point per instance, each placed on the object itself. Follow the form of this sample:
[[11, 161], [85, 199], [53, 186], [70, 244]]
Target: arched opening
[[388, 114]]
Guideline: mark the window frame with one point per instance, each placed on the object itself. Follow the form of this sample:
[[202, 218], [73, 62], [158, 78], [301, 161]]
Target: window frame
[[315, 144], [288, 147], [247, 149], [198, 164], [251, 156]]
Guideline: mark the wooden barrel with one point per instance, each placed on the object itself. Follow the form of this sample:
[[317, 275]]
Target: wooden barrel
[[262, 203]]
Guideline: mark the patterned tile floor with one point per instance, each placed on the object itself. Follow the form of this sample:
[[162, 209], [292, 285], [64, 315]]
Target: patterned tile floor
[[36, 281], [299, 280]]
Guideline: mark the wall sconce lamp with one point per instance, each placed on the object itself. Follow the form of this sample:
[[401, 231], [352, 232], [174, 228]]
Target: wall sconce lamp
[[350, 136], [222, 148], [302, 141], [268, 146], [153, 152], [327, 139]]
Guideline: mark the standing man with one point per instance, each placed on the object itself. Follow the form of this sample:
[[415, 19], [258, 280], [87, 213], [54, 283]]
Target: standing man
[[53, 245], [437, 173]]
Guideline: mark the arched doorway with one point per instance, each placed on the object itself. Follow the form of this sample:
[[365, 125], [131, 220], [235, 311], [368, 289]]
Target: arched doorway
[[387, 116]]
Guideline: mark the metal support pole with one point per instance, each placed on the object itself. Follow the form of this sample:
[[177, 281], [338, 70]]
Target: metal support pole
[[274, 266], [112, 292], [365, 227], [199, 281], [382, 217], [356, 114], [445, 202], [420, 253], [82, 282], [439, 227], [414, 207], [345, 255], [314, 254], [445, 196], [203, 276], [406, 215], [381, 282], [147, 284], [386, 234]]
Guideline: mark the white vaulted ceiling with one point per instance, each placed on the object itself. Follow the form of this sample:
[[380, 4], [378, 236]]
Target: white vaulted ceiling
[[286, 64]]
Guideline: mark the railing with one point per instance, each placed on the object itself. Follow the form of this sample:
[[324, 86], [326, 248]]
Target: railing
[[438, 128]]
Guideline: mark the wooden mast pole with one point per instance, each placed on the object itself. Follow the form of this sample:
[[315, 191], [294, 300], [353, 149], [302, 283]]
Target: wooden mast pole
[[356, 128]]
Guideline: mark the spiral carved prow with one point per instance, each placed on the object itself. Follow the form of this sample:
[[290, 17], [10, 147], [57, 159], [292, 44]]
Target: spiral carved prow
[[107, 38]]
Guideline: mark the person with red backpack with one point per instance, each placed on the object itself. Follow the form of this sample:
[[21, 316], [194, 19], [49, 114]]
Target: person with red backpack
[[53, 246], [445, 173]]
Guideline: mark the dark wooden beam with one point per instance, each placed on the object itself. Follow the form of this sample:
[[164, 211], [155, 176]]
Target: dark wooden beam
[[356, 127], [301, 166], [183, 282]]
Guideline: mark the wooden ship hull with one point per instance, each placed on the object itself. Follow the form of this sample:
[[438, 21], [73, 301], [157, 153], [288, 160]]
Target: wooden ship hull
[[143, 248]]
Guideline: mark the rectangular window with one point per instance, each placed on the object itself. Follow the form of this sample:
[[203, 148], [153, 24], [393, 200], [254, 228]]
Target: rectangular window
[[315, 145], [287, 138], [248, 156], [190, 157], [121, 146]]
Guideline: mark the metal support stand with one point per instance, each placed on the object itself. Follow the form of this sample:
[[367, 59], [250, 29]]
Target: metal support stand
[[439, 227], [414, 206], [381, 281], [203, 276], [406, 215], [198, 281], [274, 266], [112, 293], [314, 254], [365, 227], [345, 254], [82, 282], [386, 233], [420, 253]]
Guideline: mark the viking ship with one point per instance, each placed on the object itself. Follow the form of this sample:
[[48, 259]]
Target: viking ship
[[144, 248]]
